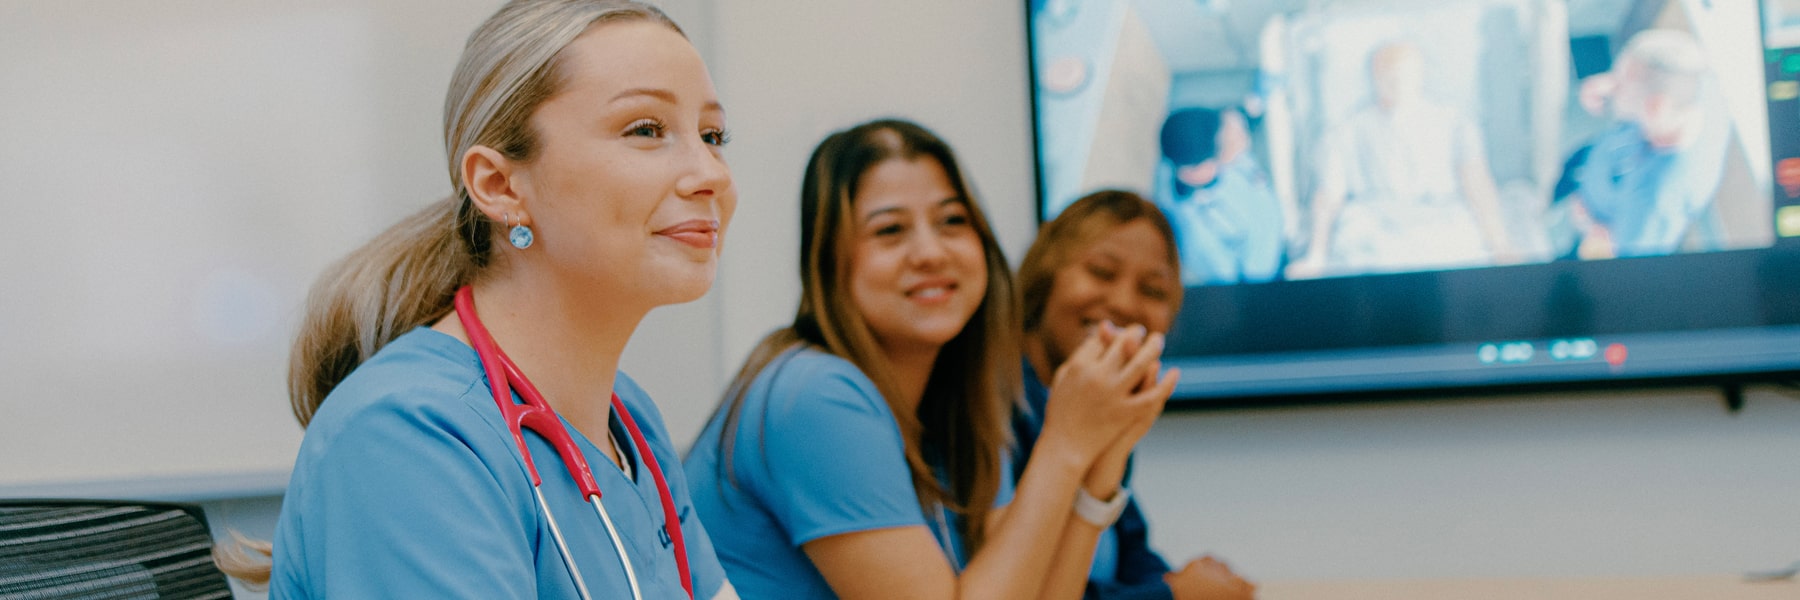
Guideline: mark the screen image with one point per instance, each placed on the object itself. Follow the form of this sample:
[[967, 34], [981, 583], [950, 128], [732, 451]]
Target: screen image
[[1376, 195]]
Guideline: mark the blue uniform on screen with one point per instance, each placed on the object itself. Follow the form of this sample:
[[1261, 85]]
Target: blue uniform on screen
[[1228, 231], [1227, 221], [1649, 178], [1648, 196], [424, 396]]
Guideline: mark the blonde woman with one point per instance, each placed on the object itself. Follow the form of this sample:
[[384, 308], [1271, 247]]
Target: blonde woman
[[861, 452], [584, 143]]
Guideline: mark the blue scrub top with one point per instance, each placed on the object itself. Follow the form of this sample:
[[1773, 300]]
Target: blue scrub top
[[817, 453], [1227, 232], [409, 485], [1648, 197]]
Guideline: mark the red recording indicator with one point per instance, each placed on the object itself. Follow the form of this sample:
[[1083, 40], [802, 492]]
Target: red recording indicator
[[1615, 354], [1787, 173]]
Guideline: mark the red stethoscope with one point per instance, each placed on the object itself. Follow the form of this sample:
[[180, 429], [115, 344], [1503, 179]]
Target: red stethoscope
[[536, 415]]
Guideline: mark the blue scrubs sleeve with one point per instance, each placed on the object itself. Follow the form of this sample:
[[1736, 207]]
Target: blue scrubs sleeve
[[833, 459], [388, 530]]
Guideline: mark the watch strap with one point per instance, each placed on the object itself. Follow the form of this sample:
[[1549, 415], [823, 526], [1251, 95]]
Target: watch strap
[[1100, 513]]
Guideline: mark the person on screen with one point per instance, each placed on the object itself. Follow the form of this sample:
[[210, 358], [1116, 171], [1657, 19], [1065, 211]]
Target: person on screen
[[1403, 184], [1637, 187], [1108, 258], [585, 143], [1227, 220], [861, 452]]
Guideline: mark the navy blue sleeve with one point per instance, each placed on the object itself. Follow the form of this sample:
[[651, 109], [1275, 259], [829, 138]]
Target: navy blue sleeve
[[1138, 563], [1025, 434], [1140, 569]]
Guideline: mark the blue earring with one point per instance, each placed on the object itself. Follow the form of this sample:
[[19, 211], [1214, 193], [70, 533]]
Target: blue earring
[[520, 235]]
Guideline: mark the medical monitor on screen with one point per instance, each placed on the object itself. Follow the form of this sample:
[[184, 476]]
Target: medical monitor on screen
[[1386, 195]]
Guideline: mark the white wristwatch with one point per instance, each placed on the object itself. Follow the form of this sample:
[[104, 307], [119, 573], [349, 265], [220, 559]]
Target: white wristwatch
[[1097, 512]]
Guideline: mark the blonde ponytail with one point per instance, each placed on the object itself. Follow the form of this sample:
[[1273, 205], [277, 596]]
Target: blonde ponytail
[[245, 560], [400, 280], [407, 275]]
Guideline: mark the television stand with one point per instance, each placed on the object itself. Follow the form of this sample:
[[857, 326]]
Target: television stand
[[1733, 394]]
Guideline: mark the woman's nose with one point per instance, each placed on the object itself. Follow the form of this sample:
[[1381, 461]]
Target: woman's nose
[[926, 247], [1123, 304], [707, 174]]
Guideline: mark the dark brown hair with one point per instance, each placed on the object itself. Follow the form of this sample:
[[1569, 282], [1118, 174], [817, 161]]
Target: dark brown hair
[[961, 422]]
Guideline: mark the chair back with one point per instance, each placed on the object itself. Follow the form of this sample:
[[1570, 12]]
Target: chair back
[[54, 549]]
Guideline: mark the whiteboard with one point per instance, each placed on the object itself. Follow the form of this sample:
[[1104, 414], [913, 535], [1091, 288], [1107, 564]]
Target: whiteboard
[[174, 176]]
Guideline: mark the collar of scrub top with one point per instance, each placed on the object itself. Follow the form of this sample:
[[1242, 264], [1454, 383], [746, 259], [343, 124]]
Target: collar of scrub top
[[536, 415]]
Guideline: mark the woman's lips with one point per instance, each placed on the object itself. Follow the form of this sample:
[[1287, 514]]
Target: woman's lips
[[935, 291], [699, 233]]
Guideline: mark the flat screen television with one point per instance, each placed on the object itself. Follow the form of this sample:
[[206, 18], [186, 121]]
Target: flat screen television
[[1381, 197]]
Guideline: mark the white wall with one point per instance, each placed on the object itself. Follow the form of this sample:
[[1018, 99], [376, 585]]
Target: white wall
[[1560, 485], [176, 174], [180, 172], [1588, 484], [791, 72], [1582, 484]]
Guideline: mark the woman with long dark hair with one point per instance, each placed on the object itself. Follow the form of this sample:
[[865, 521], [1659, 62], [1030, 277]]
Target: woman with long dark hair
[[861, 452]]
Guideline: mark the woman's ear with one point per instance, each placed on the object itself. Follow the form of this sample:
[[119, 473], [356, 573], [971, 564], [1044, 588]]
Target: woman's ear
[[495, 184]]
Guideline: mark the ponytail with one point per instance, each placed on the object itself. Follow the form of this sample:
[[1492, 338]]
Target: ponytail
[[400, 280], [407, 275], [244, 559]]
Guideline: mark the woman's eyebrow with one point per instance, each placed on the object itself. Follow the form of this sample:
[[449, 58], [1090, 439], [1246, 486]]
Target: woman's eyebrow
[[658, 93], [665, 95]]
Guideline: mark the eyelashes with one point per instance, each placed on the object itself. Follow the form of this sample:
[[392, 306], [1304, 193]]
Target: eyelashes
[[652, 128], [716, 137]]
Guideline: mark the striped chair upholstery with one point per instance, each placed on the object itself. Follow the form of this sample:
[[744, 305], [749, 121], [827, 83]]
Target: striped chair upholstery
[[54, 549]]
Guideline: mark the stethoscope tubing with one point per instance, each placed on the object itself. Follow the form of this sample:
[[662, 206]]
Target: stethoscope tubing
[[562, 549], [537, 415], [613, 532]]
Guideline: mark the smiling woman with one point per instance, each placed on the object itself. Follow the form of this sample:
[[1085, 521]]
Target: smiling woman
[[584, 140], [1109, 259], [860, 453], [920, 268]]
